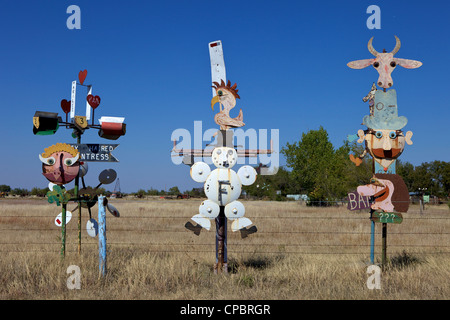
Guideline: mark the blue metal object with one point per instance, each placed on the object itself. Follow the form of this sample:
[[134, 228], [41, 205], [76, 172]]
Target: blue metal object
[[385, 114], [352, 137], [101, 236], [380, 169]]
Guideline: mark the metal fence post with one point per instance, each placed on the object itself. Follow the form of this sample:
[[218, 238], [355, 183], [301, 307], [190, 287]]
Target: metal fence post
[[372, 242], [101, 236], [63, 231], [384, 244], [221, 242]]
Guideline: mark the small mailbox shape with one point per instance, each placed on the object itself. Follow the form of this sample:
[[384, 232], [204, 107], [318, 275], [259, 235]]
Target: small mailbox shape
[[45, 123], [112, 127]]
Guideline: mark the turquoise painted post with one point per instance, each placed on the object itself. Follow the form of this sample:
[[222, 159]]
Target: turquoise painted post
[[101, 236]]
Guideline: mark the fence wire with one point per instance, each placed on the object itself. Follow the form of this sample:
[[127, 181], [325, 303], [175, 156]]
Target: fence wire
[[440, 239]]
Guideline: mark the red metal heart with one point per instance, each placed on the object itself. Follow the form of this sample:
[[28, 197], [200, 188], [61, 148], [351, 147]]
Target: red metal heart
[[82, 76], [65, 105], [93, 101]]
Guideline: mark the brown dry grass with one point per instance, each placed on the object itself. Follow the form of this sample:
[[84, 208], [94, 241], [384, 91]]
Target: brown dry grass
[[297, 253]]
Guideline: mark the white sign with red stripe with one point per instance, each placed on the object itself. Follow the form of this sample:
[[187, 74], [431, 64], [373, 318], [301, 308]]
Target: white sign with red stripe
[[58, 219]]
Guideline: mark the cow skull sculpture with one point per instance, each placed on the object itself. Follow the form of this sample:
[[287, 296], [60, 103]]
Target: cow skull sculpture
[[384, 63]]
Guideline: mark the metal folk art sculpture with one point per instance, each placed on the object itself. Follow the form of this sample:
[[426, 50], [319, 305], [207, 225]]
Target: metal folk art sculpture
[[384, 62], [63, 163], [222, 187], [385, 141], [226, 95], [384, 138], [60, 163]]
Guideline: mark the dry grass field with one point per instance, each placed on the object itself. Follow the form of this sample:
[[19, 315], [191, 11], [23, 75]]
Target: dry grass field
[[298, 252]]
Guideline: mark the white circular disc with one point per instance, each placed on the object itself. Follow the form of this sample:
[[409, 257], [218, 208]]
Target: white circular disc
[[51, 185], [200, 171], [209, 209], [58, 219], [107, 176], [222, 186], [113, 210], [247, 175], [234, 210], [92, 228]]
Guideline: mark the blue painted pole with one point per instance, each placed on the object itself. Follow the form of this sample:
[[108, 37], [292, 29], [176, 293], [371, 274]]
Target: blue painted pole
[[101, 236]]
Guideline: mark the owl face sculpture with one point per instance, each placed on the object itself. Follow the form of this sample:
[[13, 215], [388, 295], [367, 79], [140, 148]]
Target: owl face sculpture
[[224, 157], [60, 163]]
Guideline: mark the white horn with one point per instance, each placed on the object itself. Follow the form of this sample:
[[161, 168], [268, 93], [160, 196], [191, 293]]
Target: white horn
[[370, 47]]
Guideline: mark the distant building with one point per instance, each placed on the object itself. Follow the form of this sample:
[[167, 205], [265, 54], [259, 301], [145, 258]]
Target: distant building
[[297, 197]]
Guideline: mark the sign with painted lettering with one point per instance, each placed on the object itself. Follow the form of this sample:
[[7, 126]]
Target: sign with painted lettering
[[96, 152], [386, 217], [72, 101], [357, 201], [218, 72]]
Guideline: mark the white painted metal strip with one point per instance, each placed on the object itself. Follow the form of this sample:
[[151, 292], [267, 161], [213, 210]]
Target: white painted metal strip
[[217, 63], [72, 99], [88, 106]]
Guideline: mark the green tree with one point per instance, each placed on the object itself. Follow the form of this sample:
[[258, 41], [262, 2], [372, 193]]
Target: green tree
[[440, 171], [174, 191], [140, 193], [323, 172], [39, 192], [5, 188], [20, 192], [407, 171]]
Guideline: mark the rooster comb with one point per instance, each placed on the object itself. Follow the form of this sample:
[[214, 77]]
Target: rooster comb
[[228, 86]]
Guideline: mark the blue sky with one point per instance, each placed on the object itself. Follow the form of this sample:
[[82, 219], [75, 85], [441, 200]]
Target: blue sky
[[149, 62]]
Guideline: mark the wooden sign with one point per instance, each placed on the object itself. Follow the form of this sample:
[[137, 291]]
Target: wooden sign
[[357, 201], [96, 152], [386, 217]]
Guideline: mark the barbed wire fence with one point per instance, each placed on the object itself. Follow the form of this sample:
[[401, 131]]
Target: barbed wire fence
[[269, 240]]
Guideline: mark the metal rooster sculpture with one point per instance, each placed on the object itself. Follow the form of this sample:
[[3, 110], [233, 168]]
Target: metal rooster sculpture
[[226, 95]]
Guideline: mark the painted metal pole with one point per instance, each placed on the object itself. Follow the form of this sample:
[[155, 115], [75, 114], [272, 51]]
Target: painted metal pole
[[221, 242], [63, 231], [372, 242], [101, 236], [77, 185], [384, 244]]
